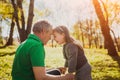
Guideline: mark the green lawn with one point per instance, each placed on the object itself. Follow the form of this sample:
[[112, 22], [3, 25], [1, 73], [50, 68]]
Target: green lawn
[[103, 66]]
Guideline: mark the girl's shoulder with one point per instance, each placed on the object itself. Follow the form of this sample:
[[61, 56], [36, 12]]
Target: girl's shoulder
[[70, 45], [73, 45]]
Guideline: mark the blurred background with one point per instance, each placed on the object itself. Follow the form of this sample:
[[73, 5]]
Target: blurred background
[[95, 23]]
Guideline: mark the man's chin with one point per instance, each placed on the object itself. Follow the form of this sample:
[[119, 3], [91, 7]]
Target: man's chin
[[45, 43]]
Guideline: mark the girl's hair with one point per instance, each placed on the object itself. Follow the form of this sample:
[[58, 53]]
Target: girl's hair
[[68, 38]]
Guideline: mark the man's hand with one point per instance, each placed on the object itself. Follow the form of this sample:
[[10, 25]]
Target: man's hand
[[69, 76]]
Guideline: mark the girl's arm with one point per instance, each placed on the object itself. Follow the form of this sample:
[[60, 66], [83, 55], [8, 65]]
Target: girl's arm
[[72, 57]]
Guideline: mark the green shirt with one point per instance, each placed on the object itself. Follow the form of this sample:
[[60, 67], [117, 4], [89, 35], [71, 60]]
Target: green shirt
[[29, 54]]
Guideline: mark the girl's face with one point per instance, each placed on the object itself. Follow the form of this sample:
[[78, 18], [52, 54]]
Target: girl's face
[[59, 38]]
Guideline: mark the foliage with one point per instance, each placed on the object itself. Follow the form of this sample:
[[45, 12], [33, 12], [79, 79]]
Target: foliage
[[5, 67], [105, 27], [76, 31], [7, 50], [0, 36], [6, 10], [88, 32], [103, 66], [113, 11]]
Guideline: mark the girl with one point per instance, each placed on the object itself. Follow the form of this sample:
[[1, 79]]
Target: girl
[[73, 53]]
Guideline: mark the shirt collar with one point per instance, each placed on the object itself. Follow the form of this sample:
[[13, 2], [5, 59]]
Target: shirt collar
[[33, 36]]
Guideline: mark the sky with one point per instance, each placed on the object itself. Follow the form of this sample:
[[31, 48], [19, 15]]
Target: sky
[[62, 12], [66, 12]]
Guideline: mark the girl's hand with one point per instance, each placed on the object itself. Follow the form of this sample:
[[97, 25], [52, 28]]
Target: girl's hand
[[69, 76], [62, 69]]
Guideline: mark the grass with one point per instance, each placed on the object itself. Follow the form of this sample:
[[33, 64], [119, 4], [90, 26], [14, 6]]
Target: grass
[[7, 50], [103, 66]]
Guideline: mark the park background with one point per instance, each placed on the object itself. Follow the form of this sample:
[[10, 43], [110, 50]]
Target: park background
[[96, 23]]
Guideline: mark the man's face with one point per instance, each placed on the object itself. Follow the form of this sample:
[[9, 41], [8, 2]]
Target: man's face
[[47, 36]]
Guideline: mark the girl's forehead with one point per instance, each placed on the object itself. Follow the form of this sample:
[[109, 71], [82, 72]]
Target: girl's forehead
[[55, 32]]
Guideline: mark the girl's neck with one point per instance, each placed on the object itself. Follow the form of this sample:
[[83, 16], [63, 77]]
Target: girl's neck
[[64, 43]]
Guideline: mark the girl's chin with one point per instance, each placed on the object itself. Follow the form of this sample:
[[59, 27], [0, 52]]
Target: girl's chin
[[59, 42]]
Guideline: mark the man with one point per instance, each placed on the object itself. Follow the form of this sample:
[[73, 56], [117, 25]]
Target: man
[[29, 62]]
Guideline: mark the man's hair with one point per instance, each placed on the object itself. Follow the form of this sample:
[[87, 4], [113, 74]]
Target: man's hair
[[41, 26]]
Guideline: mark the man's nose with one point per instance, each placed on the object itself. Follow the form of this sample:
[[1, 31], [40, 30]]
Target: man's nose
[[52, 37]]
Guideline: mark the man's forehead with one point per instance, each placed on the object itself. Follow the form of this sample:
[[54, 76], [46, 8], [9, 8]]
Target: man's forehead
[[51, 31]]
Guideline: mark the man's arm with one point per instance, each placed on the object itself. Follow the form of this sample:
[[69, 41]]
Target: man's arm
[[40, 74]]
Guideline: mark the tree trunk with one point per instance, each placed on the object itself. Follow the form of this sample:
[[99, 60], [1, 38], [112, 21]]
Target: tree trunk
[[82, 34], [30, 16], [115, 40], [105, 29], [89, 25], [23, 32], [10, 40], [16, 18], [1, 40], [96, 41]]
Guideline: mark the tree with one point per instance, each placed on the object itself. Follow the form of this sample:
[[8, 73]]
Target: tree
[[1, 42], [20, 20], [115, 8], [10, 40], [76, 31], [7, 13], [105, 28], [6, 10], [89, 30], [82, 34], [98, 36]]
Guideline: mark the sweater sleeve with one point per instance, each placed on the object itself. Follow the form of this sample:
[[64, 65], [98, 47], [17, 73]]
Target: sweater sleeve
[[72, 57], [66, 64]]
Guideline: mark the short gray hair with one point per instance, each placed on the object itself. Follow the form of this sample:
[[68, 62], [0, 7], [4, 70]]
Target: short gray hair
[[40, 26]]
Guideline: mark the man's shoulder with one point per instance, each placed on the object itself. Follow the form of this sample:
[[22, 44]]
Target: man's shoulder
[[29, 43]]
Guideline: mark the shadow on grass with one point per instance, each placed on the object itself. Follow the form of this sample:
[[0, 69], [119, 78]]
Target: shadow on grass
[[110, 78], [116, 58], [4, 54], [1, 47]]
